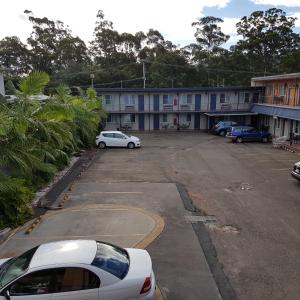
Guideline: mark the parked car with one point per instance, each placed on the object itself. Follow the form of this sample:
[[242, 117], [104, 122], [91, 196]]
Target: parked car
[[240, 134], [78, 269], [222, 127], [296, 171], [117, 139]]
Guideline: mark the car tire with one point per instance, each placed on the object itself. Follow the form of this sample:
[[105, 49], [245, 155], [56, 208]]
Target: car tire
[[222, 133], [239, 140], [102, 145], [131, 145], [264, 140]]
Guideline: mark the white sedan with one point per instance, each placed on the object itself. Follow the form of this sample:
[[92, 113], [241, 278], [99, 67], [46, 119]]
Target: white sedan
[[117, 139], [78, 270]]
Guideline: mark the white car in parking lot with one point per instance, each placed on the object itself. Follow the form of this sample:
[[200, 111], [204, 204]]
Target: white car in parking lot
[[117, 139], [296, 171], [78, 270]]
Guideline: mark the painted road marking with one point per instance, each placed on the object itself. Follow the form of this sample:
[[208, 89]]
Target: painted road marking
[[79, 236], [283, 169], [105, 193]]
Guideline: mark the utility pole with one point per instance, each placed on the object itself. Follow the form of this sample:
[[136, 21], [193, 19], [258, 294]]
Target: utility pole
[[144, 73], [172, 83], [121, 84], [92, 79]]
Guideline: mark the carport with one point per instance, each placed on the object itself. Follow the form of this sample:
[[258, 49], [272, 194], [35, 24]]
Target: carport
[[240, 117]]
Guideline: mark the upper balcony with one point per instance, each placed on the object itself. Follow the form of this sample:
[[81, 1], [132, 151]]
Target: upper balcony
[[282, 100]]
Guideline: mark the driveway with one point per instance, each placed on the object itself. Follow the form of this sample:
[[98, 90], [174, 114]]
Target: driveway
[[246, 189], [248, 207]]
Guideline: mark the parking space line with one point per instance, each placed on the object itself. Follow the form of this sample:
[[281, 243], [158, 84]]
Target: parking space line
[[80, 236], [283, 169], [116, 193]]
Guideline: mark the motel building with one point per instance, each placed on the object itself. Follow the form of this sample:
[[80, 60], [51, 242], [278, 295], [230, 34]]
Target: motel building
[[278, 107], [177, 108]]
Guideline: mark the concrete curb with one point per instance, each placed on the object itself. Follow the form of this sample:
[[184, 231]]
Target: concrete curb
[[145, 242]]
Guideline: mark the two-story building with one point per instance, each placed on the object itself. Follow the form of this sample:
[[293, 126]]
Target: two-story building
[[278, 108], [176, 108]]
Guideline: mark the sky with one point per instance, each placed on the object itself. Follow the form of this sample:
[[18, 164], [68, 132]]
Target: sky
[[172, 18]]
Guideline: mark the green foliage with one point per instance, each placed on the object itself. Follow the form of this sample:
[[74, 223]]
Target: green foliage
[[15, 199], [268, 46], [34, 84], [10, 88], [37, 139]]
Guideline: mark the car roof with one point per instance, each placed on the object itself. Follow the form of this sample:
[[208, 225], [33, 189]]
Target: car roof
[[116, 131], [64, 252]]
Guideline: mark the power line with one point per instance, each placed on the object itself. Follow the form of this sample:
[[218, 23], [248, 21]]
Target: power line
[[207, 69], [111, 83], [95, 70]]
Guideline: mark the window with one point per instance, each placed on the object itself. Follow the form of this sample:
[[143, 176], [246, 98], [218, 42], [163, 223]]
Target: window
[[165, 118], [112, 259], [277, 123], [112, 119], [130, 118], [74, 279], [269, 90], [119, 136], [129, 100], [222, 98], [282, 90], [15, 267], [108, 135], [189, 99], [108, 99], [167, 100], [247, 97], [189, 117], [32, 284]]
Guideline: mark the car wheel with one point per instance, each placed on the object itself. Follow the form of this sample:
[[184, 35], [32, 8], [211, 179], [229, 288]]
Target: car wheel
[[265, 140], [222, 133], [102, 145], [239, 140], [131, 145]]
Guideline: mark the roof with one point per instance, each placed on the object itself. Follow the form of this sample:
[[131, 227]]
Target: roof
[[234, 113], [111, 131], [273, 77], [173, 90], [277, 111], [64, 252]]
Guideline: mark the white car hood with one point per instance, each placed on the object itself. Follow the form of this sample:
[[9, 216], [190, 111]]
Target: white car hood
[[297, 164], [134, 138]]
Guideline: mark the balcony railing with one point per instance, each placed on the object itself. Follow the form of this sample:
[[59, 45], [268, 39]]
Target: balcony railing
[[185, 107], [168, 108], [226, 107], [130, 108]]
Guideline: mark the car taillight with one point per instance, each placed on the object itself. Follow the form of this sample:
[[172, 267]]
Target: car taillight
[[147, 285]]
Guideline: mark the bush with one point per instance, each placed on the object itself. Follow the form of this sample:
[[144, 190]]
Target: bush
[[15, 199]]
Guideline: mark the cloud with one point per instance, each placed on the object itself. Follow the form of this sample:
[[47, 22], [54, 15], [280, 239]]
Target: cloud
[[172, 18], [288, 3], [296, 15]]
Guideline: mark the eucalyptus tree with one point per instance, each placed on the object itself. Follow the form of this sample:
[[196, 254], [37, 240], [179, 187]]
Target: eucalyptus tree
[[14, 57], [268, 38]]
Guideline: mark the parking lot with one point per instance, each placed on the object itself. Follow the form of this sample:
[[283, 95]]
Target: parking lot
[[246, 187], [248, 205]]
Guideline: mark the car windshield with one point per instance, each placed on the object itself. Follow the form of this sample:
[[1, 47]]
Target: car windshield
[[125, 135], [112, 259], [15, 267]]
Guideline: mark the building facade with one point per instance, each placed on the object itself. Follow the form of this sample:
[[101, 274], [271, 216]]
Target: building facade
[[278, 107], [2, 90], [176, 108]]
